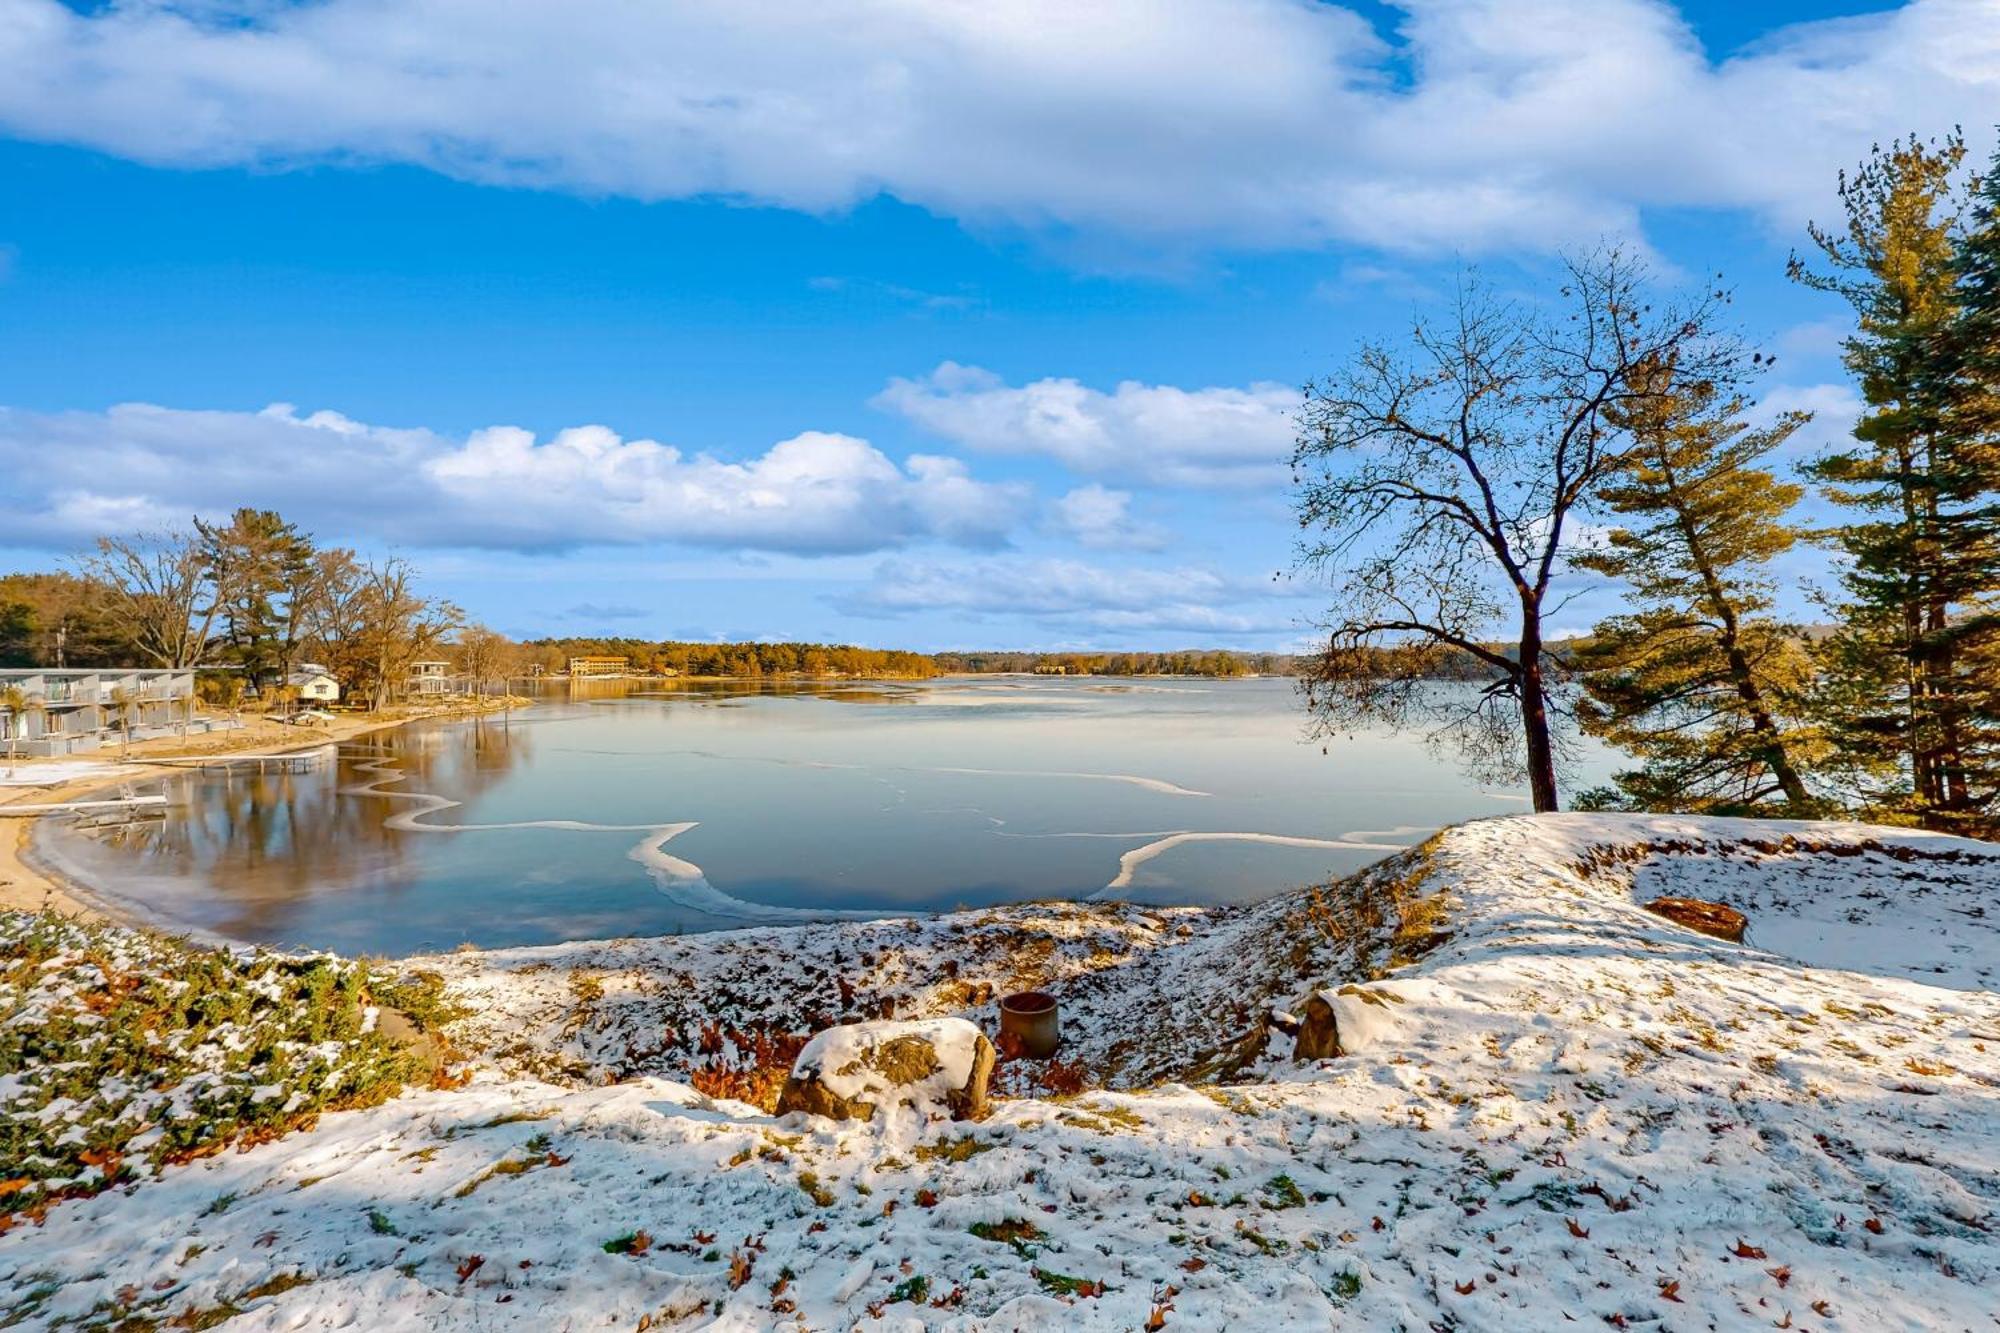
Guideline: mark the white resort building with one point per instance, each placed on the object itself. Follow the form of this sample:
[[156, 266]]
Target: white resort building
[[55, 712]]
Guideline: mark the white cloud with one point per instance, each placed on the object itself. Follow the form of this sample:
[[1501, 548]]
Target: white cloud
[[1151, 434], [1072, 595], [1100, 518], [139, 466], [1489, 123]]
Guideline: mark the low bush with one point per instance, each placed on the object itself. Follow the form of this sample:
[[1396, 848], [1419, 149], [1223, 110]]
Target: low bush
[[122, 1051]]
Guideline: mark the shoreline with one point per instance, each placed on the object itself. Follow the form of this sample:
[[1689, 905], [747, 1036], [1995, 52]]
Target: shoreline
[[30, 883]]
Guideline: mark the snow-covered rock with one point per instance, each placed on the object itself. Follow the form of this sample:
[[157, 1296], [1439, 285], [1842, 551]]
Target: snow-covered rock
[[935, 1067], [1346, 1021]]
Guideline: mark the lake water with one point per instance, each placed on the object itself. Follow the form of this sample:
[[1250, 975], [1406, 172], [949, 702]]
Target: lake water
[[636, 809]]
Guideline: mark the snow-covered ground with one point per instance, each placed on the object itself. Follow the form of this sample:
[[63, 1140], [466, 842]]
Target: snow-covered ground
[[1567, 1110]]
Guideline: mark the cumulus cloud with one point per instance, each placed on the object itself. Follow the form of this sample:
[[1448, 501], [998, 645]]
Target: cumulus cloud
[[1476, 123], [1151, 434], [1073, 595], [139, 466], [1101, 518]]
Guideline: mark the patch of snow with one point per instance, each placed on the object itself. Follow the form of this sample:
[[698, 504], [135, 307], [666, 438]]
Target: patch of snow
[[1582, 1113]]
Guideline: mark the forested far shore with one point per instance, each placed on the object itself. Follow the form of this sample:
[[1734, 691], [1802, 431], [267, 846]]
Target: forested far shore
[[673, 657]]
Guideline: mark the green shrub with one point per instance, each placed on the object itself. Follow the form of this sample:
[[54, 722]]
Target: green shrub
[[122, 1051]]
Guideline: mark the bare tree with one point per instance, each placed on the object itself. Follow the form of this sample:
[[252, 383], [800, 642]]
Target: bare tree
[[483, 655], [157, 593], [1438, 484]]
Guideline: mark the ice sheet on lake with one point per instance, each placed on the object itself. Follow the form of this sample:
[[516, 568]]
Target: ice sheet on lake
[[680, 880]]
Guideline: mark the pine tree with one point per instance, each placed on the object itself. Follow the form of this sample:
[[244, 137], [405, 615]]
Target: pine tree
[[1698, 680], [1972, 418], [1901, 691]]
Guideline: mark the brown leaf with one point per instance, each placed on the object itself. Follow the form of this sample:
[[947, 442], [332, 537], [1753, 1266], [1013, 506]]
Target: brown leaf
[[1874, 1225], [1824, 1309], [1465, 1288], [1747, 1251], [1786, 1322], [1376, 1225], [1193, 1263], [1671, 1291], [740, 1264], [1782, 1274], [927, 1199], [468, 1266], [1579, 1231], [1156, 1320]]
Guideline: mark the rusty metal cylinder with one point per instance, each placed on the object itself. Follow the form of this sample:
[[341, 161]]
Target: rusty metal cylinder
[[1029, 1024]]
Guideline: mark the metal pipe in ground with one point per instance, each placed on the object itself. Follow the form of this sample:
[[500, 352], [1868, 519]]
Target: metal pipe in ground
[[1030, 1025]]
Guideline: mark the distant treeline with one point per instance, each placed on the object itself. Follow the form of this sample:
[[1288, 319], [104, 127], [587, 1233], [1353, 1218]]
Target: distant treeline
[[751, 660]]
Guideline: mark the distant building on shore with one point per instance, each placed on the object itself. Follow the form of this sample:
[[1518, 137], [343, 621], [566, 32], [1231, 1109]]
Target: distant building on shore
[[316, 683], [432, 678], [46, 711], [599, 666]]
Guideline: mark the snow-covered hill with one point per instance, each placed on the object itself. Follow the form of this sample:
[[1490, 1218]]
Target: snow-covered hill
[[1564, 1110]]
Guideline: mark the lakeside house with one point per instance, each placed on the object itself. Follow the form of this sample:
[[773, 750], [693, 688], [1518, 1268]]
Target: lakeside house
[[431, 678], [314, 683], [46, 711]]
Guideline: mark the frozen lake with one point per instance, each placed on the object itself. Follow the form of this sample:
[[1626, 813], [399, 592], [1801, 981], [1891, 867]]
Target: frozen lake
[[645, 808]]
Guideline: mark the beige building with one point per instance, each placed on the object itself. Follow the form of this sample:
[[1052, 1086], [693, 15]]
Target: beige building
[[599, 666]]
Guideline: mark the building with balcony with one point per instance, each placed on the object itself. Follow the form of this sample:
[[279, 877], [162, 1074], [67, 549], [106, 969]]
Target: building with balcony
[[45, 711], [434, 678], [599, 666]]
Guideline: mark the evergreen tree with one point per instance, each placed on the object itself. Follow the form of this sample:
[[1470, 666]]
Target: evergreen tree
[[1697, 679], [1972, 418], [1902, 694]]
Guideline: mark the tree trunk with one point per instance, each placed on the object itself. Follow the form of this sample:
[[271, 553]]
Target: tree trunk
[[1535, 735]]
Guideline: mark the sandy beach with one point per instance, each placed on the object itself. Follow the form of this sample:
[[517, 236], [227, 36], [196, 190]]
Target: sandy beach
[[28, 886]]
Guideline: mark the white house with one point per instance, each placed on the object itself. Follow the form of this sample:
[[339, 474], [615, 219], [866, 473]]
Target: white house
[[315, 683]]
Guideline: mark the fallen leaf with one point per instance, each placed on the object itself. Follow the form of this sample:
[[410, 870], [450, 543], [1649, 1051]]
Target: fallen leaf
[[1671, 1291], [1465, 1288], [1580, 1232], [1744, 1251], [468, 1266], [1824, 1309], [1874, 1225], [1194, 1263]]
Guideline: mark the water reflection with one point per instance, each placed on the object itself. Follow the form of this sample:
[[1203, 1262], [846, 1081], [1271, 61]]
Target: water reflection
[[263, 841]]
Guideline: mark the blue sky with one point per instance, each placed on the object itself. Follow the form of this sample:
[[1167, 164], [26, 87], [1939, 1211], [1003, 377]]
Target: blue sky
[[917, 325]]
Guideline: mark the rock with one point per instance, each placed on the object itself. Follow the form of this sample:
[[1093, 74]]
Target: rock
[[939, 1066], [1724, 923], [402, 1030], [1334, 1023], [1318, 1037]]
